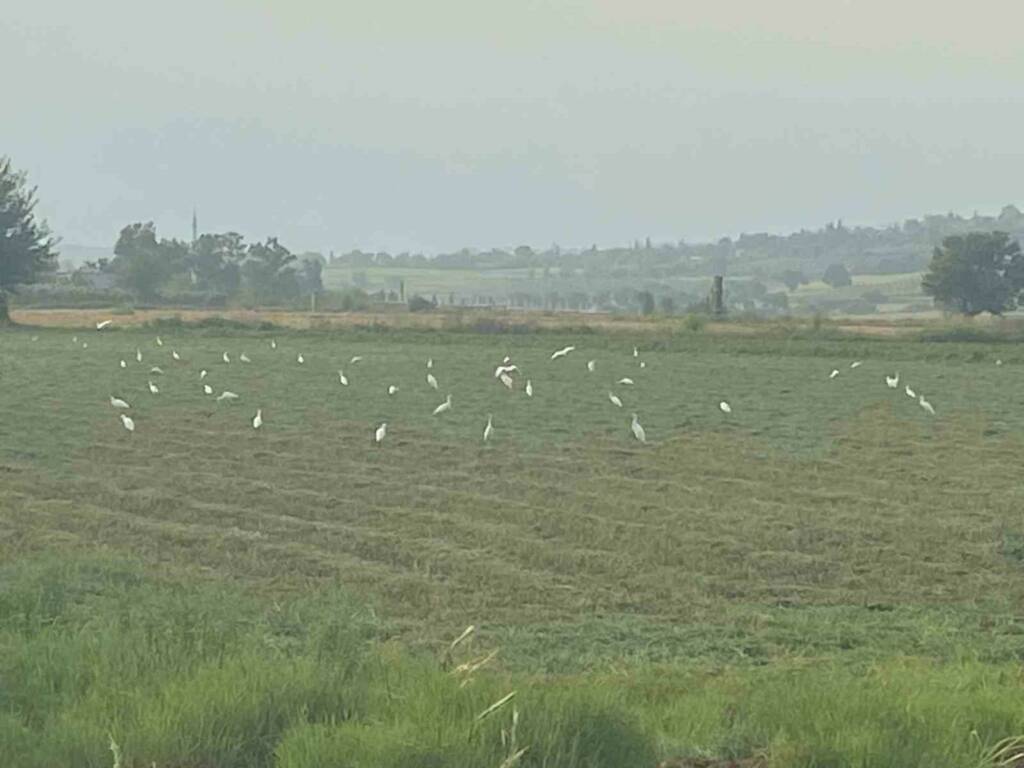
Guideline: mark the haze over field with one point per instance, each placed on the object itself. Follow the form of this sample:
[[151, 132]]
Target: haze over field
[[406, 126]]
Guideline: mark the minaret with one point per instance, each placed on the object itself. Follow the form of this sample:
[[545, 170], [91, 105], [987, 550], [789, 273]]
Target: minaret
[[195, 228]]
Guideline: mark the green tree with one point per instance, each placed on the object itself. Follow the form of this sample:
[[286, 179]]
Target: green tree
[[310, 276], [27, 249], [837, 276], [978, 272], [646, 301], [216, 262], [268, 273], [142, 264]]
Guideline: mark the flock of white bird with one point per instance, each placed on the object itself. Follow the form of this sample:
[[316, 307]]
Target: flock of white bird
[[502, 373]]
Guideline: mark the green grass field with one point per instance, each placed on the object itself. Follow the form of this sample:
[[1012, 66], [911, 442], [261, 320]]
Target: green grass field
[[828, 545]]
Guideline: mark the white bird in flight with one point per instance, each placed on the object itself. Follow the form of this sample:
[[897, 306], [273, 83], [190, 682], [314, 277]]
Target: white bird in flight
[[591, 365], [153, 388], [909, 391], [207, 389], [725, 407], [138, 355], [445, 406], [382, 430], [124, 364], [225, 358], [392, 389], [856, 364], [431, 381], [175, 355], [892, 381], [504, 369], [257, 420], [562, 352], [342, 378], [615, 400], [926, 405], [835, 372], [529, 388], [355, 359], [117, 402], [489, 429], [300, 359], [226, 395], [506, 380], [128, 422], [638, 431], [105, 324], [244, 358], [625, 380]]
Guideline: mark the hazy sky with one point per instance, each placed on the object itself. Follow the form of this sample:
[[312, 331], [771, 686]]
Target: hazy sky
[[412, 125]]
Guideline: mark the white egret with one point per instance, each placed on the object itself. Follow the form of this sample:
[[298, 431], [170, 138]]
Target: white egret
[[104, 324], [128, 422], [489, 429], [203, 374], [835, 372], [636, 352], [431, 381], [157, 369], [562, 352], [138, 355], [926, 405], [153, 389], [74, 339], [392, 389], [159, 341], [506, 380], [430, 363], [445, 406], [175, 355], [504, 369], [207, 389], [506, 360], [300, 359], [226, 395], [529, 388], [909, 391], [342, 378], [355, 359], [856, 364], [225, 358], [999, 362], [615, 400], [85, 345], [892, 381], [257, 420], [725, 407], [643, 364], [638, 431], [35, 338], [244, 358], [591, 365], [382, 430], [273, 344], [124, 364], [625, 380], [118, 402]]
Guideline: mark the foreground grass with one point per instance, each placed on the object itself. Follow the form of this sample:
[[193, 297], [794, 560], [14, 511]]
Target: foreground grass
[[97, 650]]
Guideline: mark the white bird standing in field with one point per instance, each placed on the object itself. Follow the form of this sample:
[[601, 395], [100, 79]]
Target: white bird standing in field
[[74, 339], [159, 341], [153, 389], [636, 352], [138, 355], [504, 369], [244, 358], [591, 365], [104, 324], [506, 360], [909, 391], [85, 345], [856, 364], [724, 407], [926, 405], [207, 389], [175, 355], [506, 380], [225, 358], [835, 372], [431, 381], [203, 374], [445, 406], [273, 344], [355, 359], [615, 399], [226, 395], [124, 364], [157, 369], [642, 365], [562, 352], [257, 420], [489, 429], [892, 381], [529, 388], [117, 402], [625, 380], [300, 359], [342, 378], [382, 430], [999, 362], [128, 422], [638, 431], [392, 389], [430, 363]]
